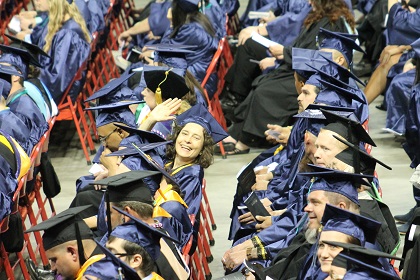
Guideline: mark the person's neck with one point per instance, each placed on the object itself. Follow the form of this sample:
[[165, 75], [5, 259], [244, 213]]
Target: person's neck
[[179, 162], [15, 87]]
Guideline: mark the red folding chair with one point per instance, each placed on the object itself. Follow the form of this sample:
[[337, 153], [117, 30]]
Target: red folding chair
[[73, 110]]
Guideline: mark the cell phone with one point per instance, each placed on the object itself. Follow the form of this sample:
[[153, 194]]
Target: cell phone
[[254, 61], [274, 134], [134, 55]]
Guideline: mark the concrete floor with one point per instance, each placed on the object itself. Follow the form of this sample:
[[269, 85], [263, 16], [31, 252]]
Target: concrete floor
[[70, 164]]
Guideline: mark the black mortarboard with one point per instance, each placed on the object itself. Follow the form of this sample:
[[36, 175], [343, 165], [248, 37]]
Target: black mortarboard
[[31, 53], [165, 84], [343, 42], [357, 226], [64, 227], [359, 257], [128, 272], [111, 86], [301, 58], [367, 162], [128, 186], [354, 127], [146, 136], [200, 115]]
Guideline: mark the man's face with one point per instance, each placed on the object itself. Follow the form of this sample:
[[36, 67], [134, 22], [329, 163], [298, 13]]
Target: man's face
[[64, 261], [116, 218], [327, 147], [326, 253], [307, 96], [315, 208], [110, 136]]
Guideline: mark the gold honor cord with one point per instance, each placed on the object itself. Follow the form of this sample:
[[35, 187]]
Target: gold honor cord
[[158, 93]]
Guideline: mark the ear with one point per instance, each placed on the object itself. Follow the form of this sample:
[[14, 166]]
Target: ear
[[342, 205], [73, 251], [136, 261]]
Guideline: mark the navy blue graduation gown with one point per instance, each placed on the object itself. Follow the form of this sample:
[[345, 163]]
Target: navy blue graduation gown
[[7, 188], [285, 28], [198, 61], [403, 27], [157, 19], [16, 128], [311, 269], [103, 269], [412, 128], [92, 14], [27, 111], [190, 180], [179, 225], [397, 97], [217, 18], [229, 7], [68, 51]]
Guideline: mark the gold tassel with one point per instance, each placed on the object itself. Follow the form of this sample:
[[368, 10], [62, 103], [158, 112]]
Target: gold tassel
[[158, 93]]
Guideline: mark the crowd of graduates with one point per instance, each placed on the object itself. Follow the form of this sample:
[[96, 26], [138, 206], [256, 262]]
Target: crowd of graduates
[[308, 207]]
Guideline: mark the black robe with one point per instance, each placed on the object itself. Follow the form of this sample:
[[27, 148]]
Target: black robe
[[273, 96]]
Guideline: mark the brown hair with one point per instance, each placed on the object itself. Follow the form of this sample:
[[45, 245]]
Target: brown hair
[[204, 159], [332, 9]]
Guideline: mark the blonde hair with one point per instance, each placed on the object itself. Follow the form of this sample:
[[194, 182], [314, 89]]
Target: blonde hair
[[58, 11]]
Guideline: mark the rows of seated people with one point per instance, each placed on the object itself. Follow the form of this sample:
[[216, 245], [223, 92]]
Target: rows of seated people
[[157, 138], [316, 155], [154, 115]]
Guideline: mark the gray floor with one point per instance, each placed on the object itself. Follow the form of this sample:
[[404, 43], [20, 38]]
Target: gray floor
[[221, 179]]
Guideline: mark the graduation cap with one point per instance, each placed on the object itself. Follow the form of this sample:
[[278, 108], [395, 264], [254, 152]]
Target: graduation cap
[[357, 226], [110, 87], [172, 55], [342, 42], [64, 227], [317, 119], [127, 186], [19, 57], [32, 50], [188, 5], [4, 89], [343, 74], [348, 128], [331, 180], [367, 162], [114, 105], [363, 259], [301, 58], [200, 115], [144, 229], [145, 147], [117, 115], [165, 84], [344, 91], [147, 136], [127, 271]]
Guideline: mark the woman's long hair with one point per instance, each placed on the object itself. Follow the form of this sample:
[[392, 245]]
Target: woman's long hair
[[180, 17], [58, 11], [333, 9]]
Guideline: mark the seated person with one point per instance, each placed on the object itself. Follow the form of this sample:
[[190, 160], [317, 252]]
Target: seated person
[[65, 38]]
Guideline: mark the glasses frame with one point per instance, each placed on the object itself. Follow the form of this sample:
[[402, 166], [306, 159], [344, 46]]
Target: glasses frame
[[104, 138]]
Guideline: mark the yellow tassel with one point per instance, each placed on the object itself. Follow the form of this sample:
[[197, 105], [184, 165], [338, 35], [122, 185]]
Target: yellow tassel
[[158, 92]]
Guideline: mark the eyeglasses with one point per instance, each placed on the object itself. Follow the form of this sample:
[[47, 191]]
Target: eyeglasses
[[103, 139]]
